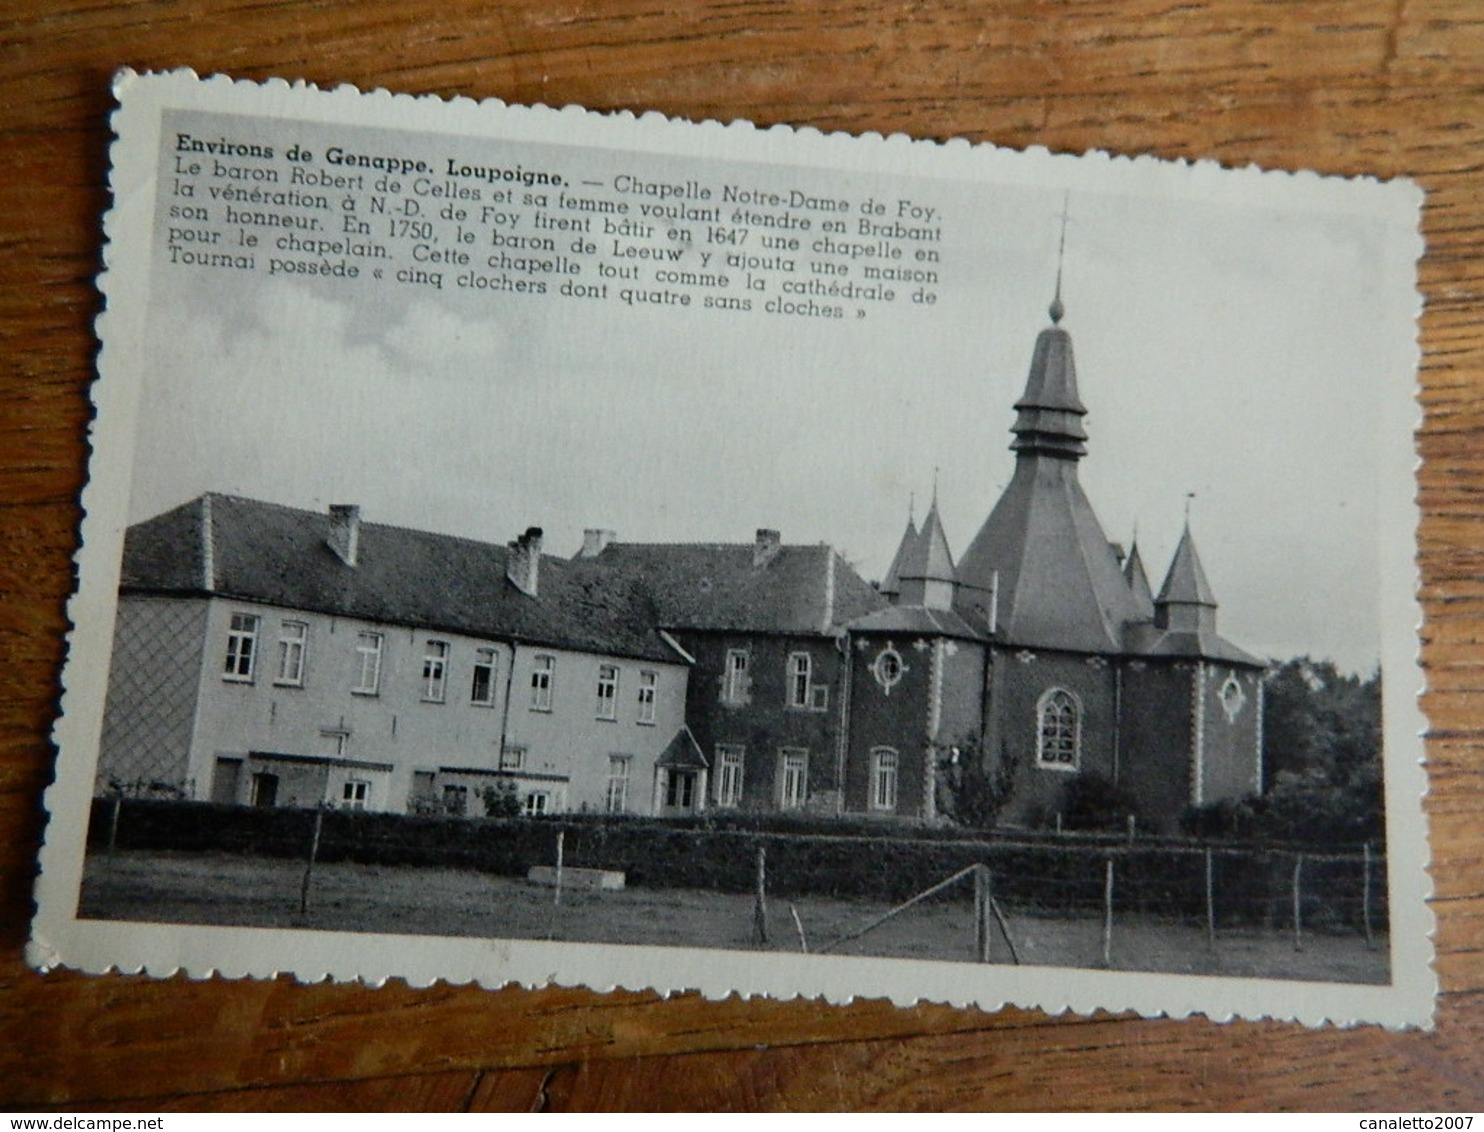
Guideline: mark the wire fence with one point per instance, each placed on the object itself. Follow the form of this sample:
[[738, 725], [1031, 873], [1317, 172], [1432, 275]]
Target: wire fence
[[1214, 887]]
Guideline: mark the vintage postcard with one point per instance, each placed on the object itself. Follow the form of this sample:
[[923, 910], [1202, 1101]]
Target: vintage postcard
[[528, 545]]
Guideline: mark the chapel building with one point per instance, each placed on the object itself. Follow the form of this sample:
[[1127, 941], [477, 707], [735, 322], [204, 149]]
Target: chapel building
[[1044, 651]]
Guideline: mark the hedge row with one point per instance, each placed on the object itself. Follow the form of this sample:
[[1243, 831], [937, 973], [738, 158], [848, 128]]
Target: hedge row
[[1054, 876]]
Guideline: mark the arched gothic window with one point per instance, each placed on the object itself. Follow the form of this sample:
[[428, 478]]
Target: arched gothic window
[[1058, 730]]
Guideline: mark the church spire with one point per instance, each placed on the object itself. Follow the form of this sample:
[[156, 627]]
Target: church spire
[[1050, 413]]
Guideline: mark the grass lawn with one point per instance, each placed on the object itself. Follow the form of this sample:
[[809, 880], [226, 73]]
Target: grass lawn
[[226, 890]]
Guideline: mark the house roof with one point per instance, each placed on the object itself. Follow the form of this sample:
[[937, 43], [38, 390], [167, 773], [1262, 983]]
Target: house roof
[[682, 752], [267, 553], [724, 586]]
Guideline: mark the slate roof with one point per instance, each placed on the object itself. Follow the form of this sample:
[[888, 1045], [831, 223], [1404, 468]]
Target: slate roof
[[1138, 583], [892, 583], [917, 619], [718, 586], [928, 557], [1059, 583], [271, 554], [1056, 580], [682, 752], [1148, 639], [1186, 583]]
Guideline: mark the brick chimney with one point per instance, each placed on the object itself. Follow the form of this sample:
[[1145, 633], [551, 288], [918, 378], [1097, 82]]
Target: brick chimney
[[345, 531], [766, 547], [594, 539], [523, 563]]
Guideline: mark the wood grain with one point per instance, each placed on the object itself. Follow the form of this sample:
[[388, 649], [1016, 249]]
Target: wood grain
[[1383, 87]]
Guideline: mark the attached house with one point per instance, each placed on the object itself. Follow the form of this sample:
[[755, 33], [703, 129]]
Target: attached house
[[274, 656], [765, 626]]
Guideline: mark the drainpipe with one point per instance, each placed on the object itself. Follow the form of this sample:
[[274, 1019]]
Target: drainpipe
[[842, 742], [505, 713]]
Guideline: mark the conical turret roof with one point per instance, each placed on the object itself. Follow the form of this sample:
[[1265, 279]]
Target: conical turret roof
[[1186, 582], [928, 558], [1138, 582], [891, 585]]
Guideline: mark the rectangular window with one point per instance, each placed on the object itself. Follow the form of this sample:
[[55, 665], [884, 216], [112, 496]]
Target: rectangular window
[[734, 677], [482, 689], [607, 691], [354, 794], [883, 779], [536, 802], [368, 664], [729, 776], [798, 680], [513, 758], [264, 789], [680, 790], [541, 679], [292, 637], [648, 681], [793, 779], [616, 801], [242, 647], [456, 800], [435, 671]]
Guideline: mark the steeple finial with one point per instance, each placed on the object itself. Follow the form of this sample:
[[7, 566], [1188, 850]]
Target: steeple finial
[[911, 507], [1058, 309], [1189, 498]]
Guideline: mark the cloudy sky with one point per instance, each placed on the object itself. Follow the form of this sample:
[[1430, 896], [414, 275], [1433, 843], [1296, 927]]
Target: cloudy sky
[[1242, 346]]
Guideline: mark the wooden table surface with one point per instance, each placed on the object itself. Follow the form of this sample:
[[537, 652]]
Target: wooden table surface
[[1345, 86]]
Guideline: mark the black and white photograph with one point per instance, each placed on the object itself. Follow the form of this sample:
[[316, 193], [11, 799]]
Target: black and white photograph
[[525, 545]]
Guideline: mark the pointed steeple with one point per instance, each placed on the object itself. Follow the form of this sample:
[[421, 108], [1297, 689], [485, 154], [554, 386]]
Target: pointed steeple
[[1049, 420], [891, 585], [1041, 566], [1186, 602], [926, 571], [1138, 582]]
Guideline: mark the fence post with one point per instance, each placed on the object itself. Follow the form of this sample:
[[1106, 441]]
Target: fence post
[[113, 823], [760, 903], [1365, 900], [983, 910], [319, 821], [1210, 903], [1133, 824], [1108, 913], [799, 927], [557, 894], [1298, 918]]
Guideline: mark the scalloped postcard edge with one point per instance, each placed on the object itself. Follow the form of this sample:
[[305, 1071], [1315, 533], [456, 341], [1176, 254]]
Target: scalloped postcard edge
[[60, 939]]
